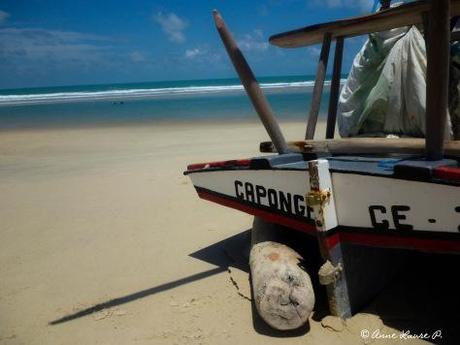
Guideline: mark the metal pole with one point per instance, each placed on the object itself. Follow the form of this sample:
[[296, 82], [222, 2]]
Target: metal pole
[[251, 85], [318, 88], [335, 88], [437, 78]]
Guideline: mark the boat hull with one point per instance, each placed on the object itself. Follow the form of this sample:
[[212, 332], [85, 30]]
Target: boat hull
[[370, 207]]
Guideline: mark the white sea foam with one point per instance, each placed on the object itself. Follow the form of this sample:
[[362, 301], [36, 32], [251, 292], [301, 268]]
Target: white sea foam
[[126, 94]]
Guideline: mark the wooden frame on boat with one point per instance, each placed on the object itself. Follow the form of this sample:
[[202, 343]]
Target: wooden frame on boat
[[434, 15]]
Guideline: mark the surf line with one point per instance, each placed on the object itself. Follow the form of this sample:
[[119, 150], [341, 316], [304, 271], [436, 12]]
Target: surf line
[[292, 204]]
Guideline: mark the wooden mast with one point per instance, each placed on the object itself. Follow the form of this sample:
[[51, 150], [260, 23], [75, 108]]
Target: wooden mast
[[437, 77], [251, 85]]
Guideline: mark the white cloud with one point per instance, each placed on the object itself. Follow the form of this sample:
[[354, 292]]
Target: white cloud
[[136, 56], [41, 46], [172, 25], [314, 50], [253, 41], [203, 55], [3, 16], [192, 53], [362, 5]]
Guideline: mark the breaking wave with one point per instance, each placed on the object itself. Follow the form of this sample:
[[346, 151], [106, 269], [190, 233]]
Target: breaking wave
[[143, 93]]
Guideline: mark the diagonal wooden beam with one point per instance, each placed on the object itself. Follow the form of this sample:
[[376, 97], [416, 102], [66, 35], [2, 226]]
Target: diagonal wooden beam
[[318, 88], [335, 88]]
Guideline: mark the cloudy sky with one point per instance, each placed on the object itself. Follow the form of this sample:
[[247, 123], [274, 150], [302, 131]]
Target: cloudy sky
[[47, 43]]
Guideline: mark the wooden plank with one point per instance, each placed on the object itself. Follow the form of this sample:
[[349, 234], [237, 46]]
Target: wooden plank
[[318, 88], [363, 146], [335, 88], [437, 76], [251, 85], [407, 14]]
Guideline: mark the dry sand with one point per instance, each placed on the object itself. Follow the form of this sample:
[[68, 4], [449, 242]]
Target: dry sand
[[98, 225]]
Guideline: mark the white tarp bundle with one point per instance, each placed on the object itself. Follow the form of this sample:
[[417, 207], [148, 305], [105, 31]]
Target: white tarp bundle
[[385, 92]]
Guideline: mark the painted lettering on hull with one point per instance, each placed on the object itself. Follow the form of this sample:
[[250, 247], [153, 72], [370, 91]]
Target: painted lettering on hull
[[285, 202], [396, 216]]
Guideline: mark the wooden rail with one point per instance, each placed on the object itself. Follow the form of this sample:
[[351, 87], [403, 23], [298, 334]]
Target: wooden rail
[[362, 146], [407, 14]]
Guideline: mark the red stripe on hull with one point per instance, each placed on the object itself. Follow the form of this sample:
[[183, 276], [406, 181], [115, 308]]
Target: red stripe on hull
[[267, 216], [432, 245], [331, 241], [447, 173], [221, 164]]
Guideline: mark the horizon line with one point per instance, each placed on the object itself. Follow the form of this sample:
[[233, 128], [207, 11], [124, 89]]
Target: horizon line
[[150, 81]]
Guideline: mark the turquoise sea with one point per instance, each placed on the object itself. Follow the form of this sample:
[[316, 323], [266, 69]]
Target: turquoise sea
[[190, 101]]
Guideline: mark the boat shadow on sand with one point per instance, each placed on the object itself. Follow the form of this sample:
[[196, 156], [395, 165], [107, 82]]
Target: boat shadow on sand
[[421, 296], [219, 254], [227, 255]]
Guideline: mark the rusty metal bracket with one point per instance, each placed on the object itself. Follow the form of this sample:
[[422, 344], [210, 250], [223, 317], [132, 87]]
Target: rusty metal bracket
[[318, 197]]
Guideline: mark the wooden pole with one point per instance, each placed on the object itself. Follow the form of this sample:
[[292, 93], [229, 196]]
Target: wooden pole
[[318, 88], [426, 28], [251, 85], [437, 78], [335, 88]]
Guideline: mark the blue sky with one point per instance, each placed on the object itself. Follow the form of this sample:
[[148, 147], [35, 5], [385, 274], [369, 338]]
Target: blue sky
[[47, 43]]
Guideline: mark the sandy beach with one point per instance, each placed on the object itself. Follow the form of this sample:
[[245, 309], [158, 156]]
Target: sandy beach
[[104, 241]]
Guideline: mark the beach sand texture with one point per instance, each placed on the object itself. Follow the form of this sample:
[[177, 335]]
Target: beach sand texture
[[101, 234]]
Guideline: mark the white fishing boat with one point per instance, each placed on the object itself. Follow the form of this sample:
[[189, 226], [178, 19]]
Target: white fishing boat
[[375, 192]]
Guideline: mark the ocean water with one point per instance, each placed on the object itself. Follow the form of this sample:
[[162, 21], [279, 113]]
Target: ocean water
[[190, 101]]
